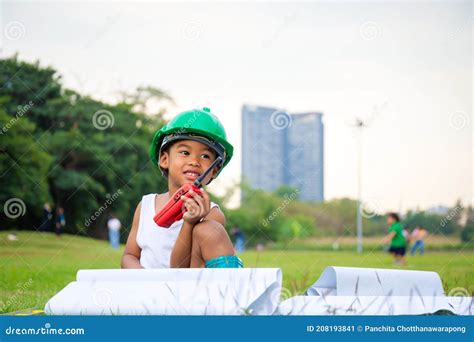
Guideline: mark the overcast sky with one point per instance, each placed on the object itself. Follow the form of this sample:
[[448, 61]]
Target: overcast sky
[[405, 67]]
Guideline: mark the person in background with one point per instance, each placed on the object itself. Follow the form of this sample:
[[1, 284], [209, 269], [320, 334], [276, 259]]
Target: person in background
[[12, 237], [396, 239], [47, 218], [239, 239], [419, 235], [114, 226], [407, 235], [60, 220]]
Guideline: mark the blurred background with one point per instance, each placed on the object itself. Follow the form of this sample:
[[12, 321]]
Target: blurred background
[[339, 112]]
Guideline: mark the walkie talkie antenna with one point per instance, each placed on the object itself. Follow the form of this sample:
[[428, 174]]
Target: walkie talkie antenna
[[198, 181]]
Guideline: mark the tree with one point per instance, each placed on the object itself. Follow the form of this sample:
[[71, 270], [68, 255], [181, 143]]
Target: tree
[[23, 168], [467, 232], [148, 99], [29, 84], [81, 151]]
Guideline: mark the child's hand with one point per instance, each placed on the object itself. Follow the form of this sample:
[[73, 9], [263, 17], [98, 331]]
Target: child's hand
[[197, 207]]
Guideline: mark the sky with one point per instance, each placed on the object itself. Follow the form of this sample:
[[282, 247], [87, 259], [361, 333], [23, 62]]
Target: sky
[[403, 67]]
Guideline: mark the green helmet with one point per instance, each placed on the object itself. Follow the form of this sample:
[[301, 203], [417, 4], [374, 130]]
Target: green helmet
[[198, 125]]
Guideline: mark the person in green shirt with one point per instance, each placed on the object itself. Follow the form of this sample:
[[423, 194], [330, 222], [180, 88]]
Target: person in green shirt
[[396, 238]]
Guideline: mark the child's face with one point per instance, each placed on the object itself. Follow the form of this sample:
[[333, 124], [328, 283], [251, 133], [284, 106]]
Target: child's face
[[186, 160], [390, 219]]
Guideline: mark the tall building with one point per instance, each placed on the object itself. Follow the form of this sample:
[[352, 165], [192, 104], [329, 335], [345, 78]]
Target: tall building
[[283, 149]]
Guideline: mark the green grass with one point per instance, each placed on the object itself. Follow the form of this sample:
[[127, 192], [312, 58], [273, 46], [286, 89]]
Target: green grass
[[37, 266]]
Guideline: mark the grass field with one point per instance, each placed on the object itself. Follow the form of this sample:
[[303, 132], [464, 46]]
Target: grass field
[[348, 243], [37, 266]]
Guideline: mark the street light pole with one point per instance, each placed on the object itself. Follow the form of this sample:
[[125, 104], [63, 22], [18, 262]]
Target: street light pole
[[359, 203], [360, 125]]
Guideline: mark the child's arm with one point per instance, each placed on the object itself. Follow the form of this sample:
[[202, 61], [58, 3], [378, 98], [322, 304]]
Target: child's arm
[[131, 255], [387, 238], [181, 253]]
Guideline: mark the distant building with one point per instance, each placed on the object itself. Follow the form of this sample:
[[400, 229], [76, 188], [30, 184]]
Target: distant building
[[283, 149], [305, 156]]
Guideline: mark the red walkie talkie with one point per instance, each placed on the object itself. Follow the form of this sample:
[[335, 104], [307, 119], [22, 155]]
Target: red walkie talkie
[[173, 210]]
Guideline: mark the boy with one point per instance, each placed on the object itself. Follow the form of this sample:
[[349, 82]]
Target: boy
[[419, 234], [183, 149], [396, 238]]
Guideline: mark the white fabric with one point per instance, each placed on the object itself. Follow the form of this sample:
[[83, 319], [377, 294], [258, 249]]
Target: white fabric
[[356, 281], [254, 291], [370, 291], [374, 305], [156, 242], [114, 224], [217, 291], [462, 305]]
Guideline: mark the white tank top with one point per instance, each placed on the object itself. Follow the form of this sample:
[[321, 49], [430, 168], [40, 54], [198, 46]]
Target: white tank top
[[156, 242]]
